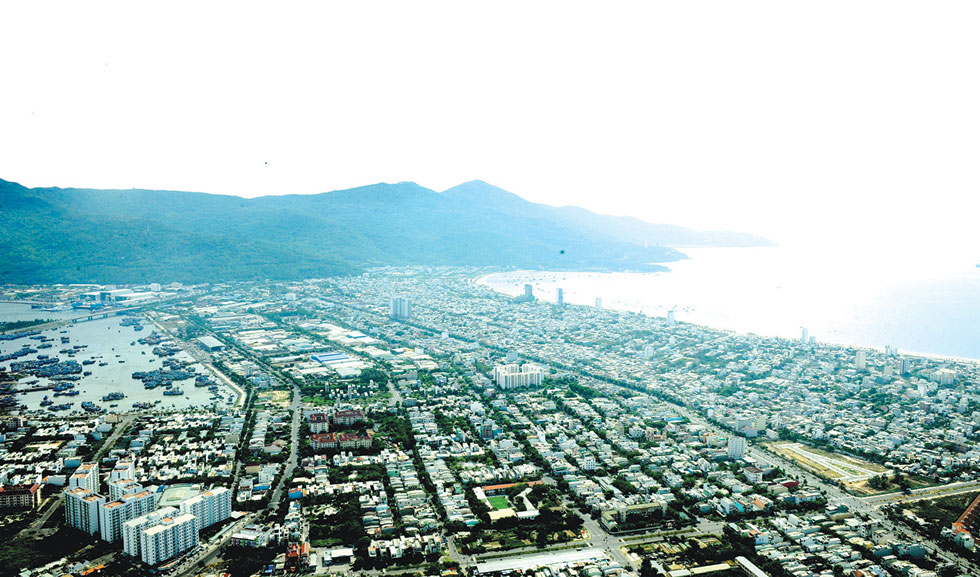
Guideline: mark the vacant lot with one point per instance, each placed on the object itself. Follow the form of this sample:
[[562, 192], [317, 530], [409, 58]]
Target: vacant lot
[[942, 512], [826, 464]]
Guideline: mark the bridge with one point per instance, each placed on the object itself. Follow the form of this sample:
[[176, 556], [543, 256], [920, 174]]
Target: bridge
[[84, 317]]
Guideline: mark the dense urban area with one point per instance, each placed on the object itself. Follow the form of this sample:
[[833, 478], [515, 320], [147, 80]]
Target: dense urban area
[[412, 421]]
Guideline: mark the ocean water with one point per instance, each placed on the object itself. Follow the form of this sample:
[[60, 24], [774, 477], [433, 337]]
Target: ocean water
[[928, 304], [111, 343]]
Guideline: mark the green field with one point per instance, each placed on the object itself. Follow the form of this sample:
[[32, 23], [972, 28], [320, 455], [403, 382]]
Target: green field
[[499, 502]]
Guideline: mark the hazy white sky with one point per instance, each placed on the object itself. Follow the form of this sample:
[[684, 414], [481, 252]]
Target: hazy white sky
[[791, 120]]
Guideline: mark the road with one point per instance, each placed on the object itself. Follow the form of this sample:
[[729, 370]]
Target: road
[[208, 552], [297, 408], [55, 500], [203, 358], [868, 506]]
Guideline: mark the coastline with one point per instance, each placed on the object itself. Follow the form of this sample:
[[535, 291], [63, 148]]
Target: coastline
[[482, 278]]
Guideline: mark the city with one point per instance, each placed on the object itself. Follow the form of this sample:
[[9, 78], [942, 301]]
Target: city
[[410, 420]]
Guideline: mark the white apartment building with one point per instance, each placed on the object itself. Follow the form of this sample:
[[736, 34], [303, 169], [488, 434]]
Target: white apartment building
[[736, 447], [133, 529], [85, 476], [400, 308], [124, 469], [123, 487], [170, 537], [82, 509], [112, 515], [514, 375], [209, 507]]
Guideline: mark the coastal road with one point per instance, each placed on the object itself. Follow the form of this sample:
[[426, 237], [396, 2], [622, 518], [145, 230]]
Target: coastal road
[[205, 359]]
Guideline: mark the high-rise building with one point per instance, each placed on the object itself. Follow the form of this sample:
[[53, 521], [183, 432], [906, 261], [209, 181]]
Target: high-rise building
[[123, 469], [400, 308], [82, 509], [904, 367], [85, 476], [560, 296], [671, 321], [528, 292], [598, 304], [513, 375], [168, 538], [804, 336], [209, 507], [123, 487], [112, 515], [860, 360], [133, 529], [736, 447]]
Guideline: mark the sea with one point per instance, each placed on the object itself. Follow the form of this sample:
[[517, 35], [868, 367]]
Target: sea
[[927, 304], [106, 341]]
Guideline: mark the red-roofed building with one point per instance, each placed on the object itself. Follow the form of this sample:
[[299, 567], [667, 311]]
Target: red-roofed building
[[20, 496], [348, 417], [356, 440]]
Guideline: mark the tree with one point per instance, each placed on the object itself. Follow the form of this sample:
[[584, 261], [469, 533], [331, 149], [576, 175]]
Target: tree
[[646, 568]]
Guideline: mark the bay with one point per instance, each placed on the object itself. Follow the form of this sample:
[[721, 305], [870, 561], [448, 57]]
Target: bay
[[927, 304]]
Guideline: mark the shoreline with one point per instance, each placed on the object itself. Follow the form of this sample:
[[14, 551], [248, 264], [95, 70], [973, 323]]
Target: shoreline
[[481, 281]]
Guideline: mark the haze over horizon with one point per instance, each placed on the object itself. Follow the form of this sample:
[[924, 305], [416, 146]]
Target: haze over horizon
[[840, 126]]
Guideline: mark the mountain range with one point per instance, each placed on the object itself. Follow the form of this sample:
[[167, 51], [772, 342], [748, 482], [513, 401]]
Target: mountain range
[[52, 235]]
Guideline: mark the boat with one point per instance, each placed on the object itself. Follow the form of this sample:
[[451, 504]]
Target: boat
[[116, 396], [46, 402], [173, 391]]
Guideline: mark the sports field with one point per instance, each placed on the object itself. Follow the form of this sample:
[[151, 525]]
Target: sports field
[[499, 502]]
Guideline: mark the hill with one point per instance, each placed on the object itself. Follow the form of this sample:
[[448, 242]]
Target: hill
[[128, 236]]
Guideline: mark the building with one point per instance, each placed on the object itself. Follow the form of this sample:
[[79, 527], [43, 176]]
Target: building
[[348, 417], [210, 344], [736, 447], [528, 292], [400, 308], [209, 507], [123, 487], [82, 509], [860, 360], [560, 296], [85, 476], [168, 538], [904, 367], [319, 422], [123, 469], [112, 515], [513, 375], [133, 529], [357, 440], [251, 536], [20, 496]]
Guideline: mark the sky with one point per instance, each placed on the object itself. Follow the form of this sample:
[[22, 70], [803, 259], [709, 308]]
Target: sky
[[849, 123]]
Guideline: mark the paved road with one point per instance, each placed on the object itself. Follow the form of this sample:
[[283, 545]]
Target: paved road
[[206, 553], [297, 407], [55, 500]]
